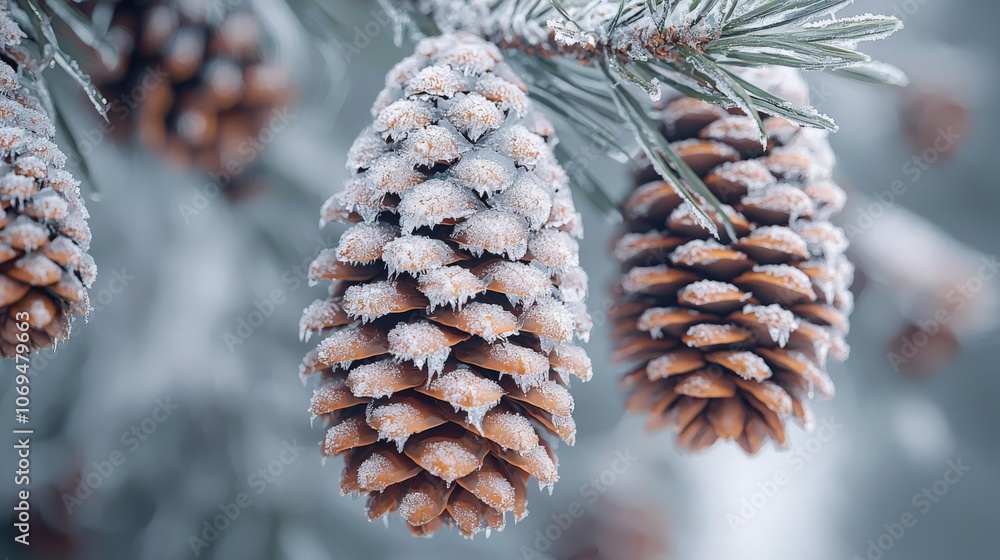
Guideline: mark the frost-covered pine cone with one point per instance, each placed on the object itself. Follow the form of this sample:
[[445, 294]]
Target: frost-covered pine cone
[[190, 80], [456, 297], [730, 339], [44, 266]]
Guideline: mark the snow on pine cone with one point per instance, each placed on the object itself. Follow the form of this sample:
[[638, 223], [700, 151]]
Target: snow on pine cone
[[191, 80], [44, 267], [729, 339], [456, 297]]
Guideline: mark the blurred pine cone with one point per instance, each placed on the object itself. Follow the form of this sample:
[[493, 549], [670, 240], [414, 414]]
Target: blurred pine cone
[[44, 265], [617, 530], [455, 298], [191, 80], [730, 338]]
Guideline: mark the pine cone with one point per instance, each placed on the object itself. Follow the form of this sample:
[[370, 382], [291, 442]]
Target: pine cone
[[731, 338], [191, 81], [44, 266], [455, 299]]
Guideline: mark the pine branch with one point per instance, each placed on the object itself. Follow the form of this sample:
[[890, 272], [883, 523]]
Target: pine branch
[[694, 46], [39, 49]]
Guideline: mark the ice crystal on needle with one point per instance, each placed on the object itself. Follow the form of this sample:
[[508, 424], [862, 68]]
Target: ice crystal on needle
[[457, 303]]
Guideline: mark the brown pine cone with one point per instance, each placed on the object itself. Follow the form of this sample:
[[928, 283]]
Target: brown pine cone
[[455, 297], [729, 338], [191, 81], [44, 265]]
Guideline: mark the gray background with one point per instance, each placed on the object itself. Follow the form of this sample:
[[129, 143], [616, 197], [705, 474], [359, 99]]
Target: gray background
[[183, 282]]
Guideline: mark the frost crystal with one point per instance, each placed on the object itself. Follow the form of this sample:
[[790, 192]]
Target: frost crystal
[[482, 318], [473, 115], [403, 71], [528, 198], [505, 94], [371, 301], [639, 277], [366, 149], [789, 276], [555, 322], [345, 343], [779, 238], [432, 202], [493, 231], [572, 283], [435, 81], [467, 392], [705, 292], [527, 367], [318, 313], [707, 334], [392, 173], [526, 148], [542, 466], [415, 254], [435, 144], [470, 59], [447, 459], [780, 322], [695, 252], [823, 238], [415, 502], [420, 343], [363, 243], [750, 173], [732, 128], [403, 116], [555, 249], [372, 469], [483, 172], [781, 198], [521, 283], [748, 365], [450, 285], [558, 399], [394, 422], [375, 380]]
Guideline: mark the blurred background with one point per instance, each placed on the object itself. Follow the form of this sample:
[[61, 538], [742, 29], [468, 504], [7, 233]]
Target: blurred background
[[181, 391]]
